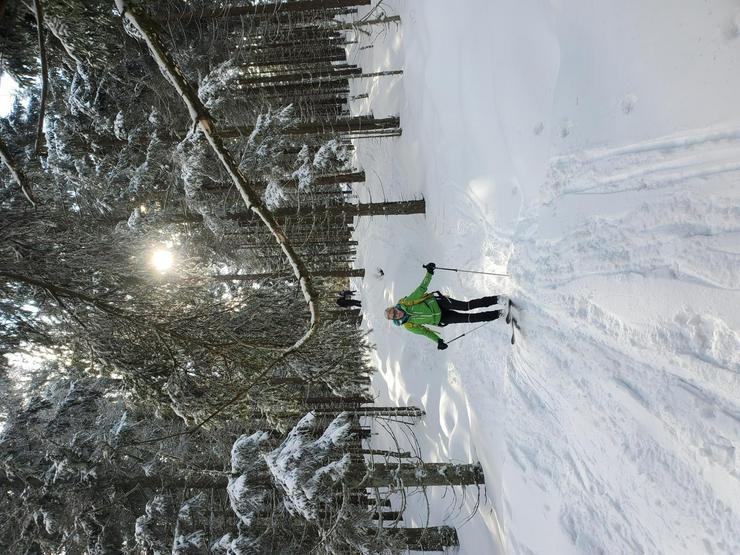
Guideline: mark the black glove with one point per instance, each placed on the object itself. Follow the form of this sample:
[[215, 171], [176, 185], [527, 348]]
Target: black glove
[[441, 345], [430, 267]]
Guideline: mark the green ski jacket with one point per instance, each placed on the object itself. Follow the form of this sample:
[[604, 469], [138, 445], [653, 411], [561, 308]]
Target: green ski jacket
[[421, 309]]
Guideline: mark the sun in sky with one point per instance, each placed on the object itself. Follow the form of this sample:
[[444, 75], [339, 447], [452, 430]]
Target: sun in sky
[[8, 92], [162, 260]]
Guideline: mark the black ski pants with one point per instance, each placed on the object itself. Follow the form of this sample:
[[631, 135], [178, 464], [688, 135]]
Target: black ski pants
[[450, 308]]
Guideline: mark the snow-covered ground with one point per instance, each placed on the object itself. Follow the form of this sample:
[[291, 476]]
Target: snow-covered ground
[[592, 151]]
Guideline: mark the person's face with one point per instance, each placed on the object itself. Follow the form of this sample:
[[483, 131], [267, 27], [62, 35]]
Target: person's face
[[394, 313]]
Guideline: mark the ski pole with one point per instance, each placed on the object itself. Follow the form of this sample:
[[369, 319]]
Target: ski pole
[[471, 331], [470, 271]]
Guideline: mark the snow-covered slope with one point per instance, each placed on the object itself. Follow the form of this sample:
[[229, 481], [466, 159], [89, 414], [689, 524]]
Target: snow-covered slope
[[592, 151]]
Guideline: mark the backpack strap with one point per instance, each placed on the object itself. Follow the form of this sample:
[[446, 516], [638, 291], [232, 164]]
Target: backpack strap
[[405, 301]]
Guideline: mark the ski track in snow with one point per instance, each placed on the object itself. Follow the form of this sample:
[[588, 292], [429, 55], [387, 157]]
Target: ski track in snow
[[669, 234], [617, 419], [656, 406]]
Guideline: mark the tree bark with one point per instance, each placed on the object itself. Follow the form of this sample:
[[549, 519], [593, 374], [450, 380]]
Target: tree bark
[[411, 475], [328, 72], [365, 209], [356, 124], [365, 23], [434, 538], [333, 179], [316, 273], [373, 411]]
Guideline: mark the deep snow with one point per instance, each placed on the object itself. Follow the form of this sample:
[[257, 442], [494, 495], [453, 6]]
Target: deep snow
[[592, 151]]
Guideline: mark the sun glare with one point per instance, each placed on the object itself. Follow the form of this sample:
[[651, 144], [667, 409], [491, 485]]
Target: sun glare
[[8, 91], [162, 260]]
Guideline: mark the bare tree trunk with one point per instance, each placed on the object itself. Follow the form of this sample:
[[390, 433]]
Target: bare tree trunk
[[328, 72], [356, 124], [316, 273], [364, 209], [385, 453], [435, 538], [414, 412], [333, 179], [365, 23], [412, 475]]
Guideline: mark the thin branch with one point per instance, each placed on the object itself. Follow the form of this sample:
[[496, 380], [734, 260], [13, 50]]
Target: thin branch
[[38, 8], [17, 173]]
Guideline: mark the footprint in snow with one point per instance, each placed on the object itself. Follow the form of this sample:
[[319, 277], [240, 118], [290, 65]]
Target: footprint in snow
[[732, 30], [566, 127], [539, 128], [628, 103]]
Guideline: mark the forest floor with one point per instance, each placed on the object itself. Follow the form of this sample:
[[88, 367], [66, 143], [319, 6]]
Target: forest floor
[[592, 151]]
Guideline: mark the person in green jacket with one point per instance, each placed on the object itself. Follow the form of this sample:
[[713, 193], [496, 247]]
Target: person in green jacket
[[419, 309]]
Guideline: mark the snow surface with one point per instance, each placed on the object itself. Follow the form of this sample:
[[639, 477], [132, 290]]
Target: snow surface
[[592, 151]]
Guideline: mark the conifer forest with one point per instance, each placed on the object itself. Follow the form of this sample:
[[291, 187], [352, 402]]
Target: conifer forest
[[177, 205]]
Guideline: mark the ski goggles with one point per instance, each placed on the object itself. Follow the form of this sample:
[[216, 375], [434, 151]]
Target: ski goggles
[[402, 320]]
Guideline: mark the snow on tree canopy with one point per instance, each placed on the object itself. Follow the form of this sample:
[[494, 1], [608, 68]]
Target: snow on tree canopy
[[152, 530], [191, 508], [221, 79], [197, 169], [305, 173], [246, 545], [155, 118], [274, 195], [262, 156], [246, 489], [146, 530], [46, 519], [331, 155], [118, 127], [134, 220], [120, 430], [307, 469], [221, 545], [190, 544], [154, 164], [188, 539], [245, 450], [270, 124]]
